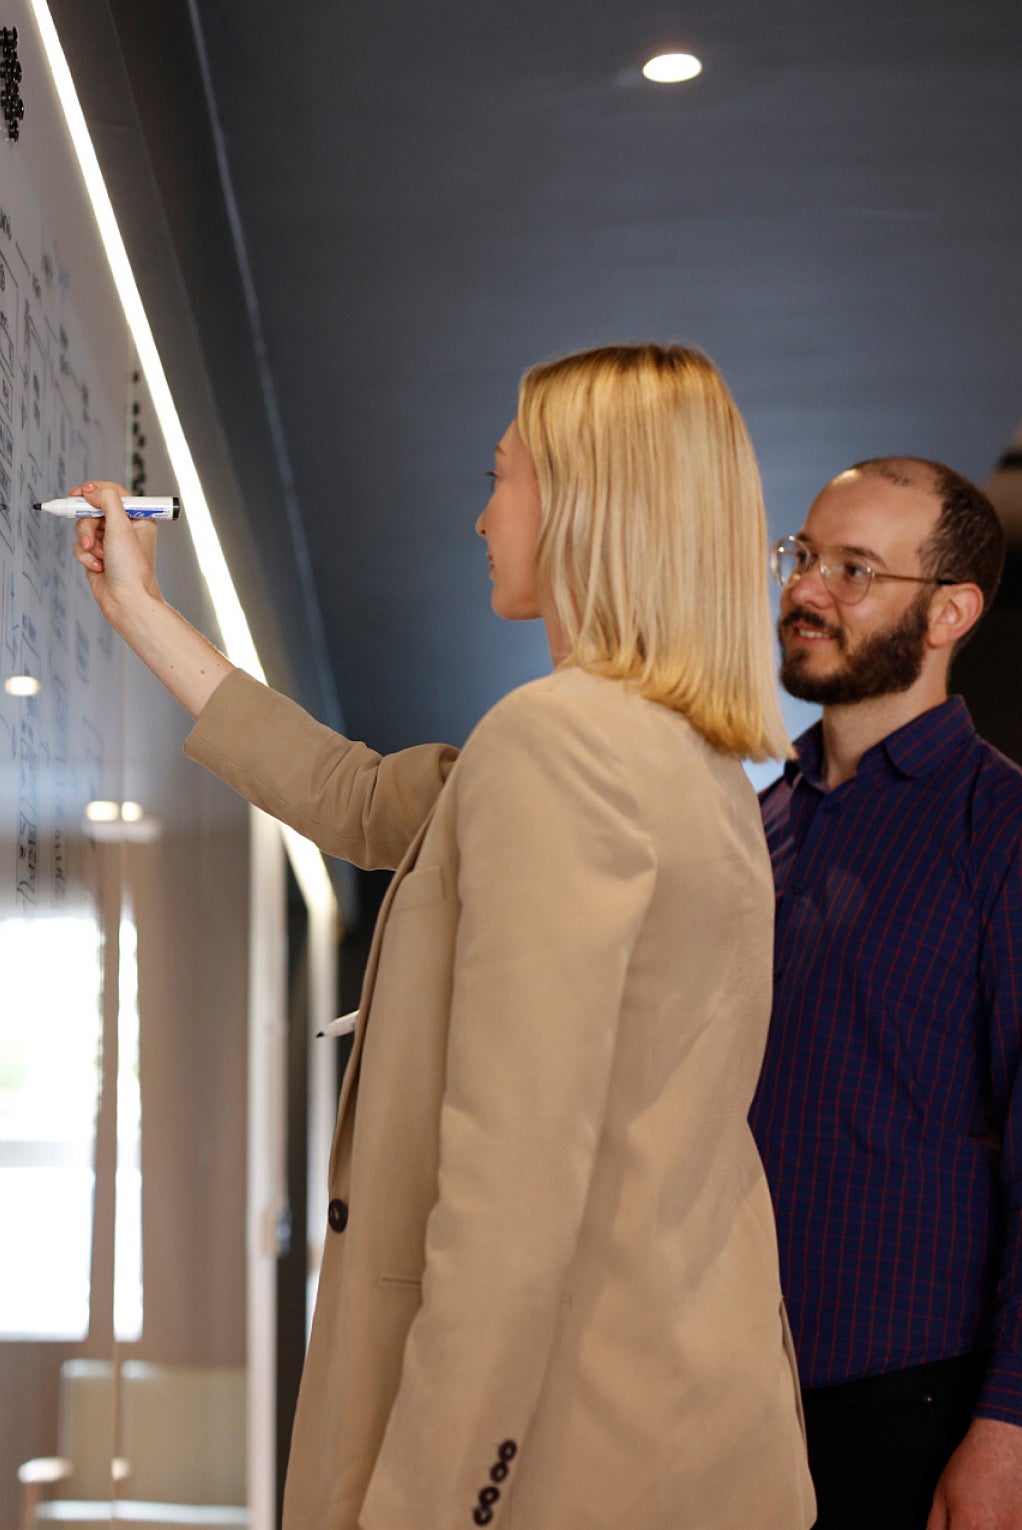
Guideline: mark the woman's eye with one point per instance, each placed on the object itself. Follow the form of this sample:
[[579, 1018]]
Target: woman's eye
[[492, 476]]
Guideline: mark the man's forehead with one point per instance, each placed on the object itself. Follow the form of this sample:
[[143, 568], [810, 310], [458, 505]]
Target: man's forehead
[[865, 509]]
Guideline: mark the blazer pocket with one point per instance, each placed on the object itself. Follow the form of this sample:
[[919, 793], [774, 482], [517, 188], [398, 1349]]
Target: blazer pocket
[[417, 888]]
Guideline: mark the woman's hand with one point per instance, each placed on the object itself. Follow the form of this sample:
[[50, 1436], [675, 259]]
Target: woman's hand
[[117, 554]]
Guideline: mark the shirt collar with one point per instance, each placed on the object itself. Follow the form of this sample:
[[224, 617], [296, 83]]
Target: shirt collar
[[915, 750], [808, 760]]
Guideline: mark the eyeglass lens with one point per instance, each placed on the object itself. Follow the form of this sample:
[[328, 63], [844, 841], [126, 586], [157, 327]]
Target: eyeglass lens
[[846, 578]]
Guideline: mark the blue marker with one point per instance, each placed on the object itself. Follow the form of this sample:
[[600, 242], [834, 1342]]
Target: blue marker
[[155, 509]]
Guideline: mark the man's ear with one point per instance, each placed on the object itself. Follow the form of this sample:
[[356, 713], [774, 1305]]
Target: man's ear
[[955, 610]]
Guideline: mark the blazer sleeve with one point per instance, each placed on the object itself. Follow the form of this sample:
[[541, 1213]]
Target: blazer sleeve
[[349, 800], [555, 874]]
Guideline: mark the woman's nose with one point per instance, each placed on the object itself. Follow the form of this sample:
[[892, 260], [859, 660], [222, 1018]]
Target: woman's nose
[[479, 523]]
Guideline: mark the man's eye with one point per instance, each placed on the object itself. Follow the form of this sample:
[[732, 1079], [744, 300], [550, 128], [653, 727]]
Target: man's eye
[[855, 573]]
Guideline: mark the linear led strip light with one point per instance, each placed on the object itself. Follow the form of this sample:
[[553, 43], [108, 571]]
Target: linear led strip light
[[239, 646]]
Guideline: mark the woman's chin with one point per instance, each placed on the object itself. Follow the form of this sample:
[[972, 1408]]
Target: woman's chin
[[512, 611]]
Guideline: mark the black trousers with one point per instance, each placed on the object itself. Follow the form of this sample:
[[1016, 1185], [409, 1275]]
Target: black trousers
[[877, 1447]]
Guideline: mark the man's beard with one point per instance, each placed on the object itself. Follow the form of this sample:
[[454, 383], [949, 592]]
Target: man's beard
[[884, 663]]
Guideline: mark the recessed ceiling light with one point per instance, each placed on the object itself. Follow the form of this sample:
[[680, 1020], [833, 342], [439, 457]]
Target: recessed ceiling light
[[131, 812], [21, 685], [670, 68]]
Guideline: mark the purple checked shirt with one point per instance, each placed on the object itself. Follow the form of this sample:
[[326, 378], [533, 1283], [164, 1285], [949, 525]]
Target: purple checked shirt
[[889, 1112]]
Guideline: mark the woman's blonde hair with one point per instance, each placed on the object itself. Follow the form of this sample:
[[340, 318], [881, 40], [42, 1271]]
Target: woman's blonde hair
[[653, 546]]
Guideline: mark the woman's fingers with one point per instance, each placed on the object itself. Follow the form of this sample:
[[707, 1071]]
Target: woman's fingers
[[120, 553], [105, 495], [89, 534], [108, 498], [90, 557], [93, 487]]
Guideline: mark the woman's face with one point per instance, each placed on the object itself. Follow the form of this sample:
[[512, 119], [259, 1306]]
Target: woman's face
[[510, 526]]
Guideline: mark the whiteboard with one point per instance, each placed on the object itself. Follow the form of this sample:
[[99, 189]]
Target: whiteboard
[[65, 400], [95, 927]]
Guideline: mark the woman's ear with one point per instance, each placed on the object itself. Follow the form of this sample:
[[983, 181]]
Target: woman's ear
[[955, 611]]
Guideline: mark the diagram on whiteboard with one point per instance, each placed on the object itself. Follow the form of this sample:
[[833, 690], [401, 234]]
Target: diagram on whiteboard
[[58, 424]]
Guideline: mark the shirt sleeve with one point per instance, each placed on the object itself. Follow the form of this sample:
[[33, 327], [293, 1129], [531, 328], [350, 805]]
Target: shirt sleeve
[[1001, 960], [349, 800], [556, 873]]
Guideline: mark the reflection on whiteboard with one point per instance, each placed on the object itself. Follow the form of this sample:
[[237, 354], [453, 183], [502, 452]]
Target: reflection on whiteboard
[[49, 1090]]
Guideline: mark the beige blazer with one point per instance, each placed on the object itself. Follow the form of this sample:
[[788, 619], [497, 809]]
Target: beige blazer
[[549, 1298]]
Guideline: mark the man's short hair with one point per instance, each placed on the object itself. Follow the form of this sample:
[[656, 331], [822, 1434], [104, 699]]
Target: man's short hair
[[967, 543]]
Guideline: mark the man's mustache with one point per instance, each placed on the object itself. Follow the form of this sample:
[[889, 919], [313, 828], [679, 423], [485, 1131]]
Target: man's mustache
[[803, 617]]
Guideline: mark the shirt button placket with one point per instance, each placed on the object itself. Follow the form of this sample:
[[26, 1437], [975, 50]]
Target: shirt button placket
[[820, 822]]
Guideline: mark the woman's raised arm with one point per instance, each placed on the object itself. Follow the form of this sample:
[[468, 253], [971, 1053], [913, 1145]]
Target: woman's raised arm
[[346, 798], [118, 556]]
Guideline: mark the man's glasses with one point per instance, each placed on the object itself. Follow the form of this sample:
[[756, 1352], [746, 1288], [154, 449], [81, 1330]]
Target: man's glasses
[[846, 576]]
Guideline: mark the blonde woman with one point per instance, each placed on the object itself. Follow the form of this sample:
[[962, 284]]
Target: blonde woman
[[549, 1296]]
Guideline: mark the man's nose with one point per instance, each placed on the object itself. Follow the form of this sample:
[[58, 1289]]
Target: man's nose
[[811, 587]]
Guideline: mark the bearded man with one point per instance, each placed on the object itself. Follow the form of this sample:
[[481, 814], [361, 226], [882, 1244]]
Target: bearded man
[[889, 1113]]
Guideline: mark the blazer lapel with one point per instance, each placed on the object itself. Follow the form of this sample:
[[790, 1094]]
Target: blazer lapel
[[372, 964]]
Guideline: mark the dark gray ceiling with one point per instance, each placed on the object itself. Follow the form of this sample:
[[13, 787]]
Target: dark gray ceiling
[[432, 196]]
